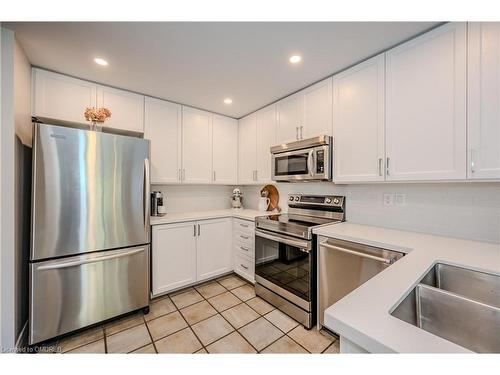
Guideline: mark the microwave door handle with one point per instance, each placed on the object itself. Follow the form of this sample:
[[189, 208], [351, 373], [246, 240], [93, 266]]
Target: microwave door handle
[[310, 163]]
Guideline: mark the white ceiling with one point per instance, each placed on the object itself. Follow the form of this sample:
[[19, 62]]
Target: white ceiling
[[200, 63]]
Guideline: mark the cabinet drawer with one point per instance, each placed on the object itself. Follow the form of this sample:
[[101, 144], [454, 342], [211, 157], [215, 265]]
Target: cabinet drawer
[[244, 226], [244, 237], [244, 249], [245, 267]]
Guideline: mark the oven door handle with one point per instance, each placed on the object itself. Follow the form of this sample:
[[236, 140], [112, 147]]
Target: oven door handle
[[304, 246]]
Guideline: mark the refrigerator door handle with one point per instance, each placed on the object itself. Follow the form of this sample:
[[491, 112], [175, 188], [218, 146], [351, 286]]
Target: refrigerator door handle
[[87, 261], [147, 197]]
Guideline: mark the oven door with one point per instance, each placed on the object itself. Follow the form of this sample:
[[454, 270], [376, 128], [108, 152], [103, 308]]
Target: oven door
[[305, 164], [284, 264]]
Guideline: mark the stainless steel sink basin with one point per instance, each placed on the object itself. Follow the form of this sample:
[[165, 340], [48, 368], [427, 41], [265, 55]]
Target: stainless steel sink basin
[[457, 304]]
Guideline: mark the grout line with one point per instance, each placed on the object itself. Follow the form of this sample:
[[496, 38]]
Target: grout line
[[79, 334], [150, 336], [194, 333]]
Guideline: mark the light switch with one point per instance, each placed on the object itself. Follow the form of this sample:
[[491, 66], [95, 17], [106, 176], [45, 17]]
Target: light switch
[[388, 200]]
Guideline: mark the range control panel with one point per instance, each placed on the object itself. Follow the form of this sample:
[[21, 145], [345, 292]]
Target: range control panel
[[315, 200]]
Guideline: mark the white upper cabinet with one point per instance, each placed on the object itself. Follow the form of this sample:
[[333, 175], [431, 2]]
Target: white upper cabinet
[[317, 113], [359, 99], [196, 146], [484, 101], [290, 115], [306, 114], [225, 150], [265, 138], [425, 106], [60, 97], [127, 108], [213, 248], [162, 126], [247, 147]]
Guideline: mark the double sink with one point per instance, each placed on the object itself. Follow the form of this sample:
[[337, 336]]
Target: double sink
[[457, 304]]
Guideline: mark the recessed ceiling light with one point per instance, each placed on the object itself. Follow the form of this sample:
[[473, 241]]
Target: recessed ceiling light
[[295, 59], [100, 61], [228, 100]]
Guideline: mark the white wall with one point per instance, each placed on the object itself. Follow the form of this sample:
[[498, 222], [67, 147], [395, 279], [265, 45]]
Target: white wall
[[462, 210], [195, 198], [7, 263]]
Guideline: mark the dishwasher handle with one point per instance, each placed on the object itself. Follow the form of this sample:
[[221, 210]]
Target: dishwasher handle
[[352, 252]]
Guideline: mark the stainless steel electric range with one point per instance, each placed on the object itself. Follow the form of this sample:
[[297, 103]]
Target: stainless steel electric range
[[285, 253]]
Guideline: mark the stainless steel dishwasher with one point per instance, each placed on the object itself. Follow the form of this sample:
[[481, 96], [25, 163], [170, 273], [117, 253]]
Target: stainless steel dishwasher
[[343, 266]]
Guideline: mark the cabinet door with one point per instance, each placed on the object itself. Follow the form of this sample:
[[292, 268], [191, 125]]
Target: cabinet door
[[196, 146], [213, 248], [225, 150], [426, 98], [290, 111], [317, 110], [358, 97], [162, 126], [60, 97], [127, 108], [266, 136], [247, 144], [173, 257], [484, 101]]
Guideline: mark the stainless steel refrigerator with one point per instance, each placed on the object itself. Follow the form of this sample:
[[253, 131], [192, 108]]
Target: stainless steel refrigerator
[[89, 257]]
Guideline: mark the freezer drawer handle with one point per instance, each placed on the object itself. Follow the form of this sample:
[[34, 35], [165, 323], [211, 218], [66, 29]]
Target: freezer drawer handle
[[363, 255], [86, 261]]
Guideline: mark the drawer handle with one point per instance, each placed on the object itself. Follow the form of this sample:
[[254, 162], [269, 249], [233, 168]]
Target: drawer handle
[[244, 225], [244, 248], [244, 237], [245, 267]]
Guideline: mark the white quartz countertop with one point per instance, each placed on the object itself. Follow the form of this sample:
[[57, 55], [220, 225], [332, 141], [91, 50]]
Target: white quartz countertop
[[363, 316], [241, 213]]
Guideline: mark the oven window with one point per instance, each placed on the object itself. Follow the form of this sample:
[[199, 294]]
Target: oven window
[[291, 165], [283, 265]]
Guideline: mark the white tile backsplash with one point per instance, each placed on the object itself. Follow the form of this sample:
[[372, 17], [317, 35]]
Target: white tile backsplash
[[187, 198], [462, 210]]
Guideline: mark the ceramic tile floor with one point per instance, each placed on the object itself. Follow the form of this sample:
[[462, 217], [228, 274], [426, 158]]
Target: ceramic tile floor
[[221, 316]]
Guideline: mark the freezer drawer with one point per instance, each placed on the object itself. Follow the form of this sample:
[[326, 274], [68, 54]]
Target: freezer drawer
[[75, 292]]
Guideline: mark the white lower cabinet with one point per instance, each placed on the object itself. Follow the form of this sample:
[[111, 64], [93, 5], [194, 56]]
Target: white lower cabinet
[[213, 248], [173, 256], [189, 252], [244, 248]]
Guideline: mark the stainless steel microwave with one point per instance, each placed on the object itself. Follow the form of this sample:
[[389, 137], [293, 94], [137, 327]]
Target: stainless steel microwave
[[304, 160]]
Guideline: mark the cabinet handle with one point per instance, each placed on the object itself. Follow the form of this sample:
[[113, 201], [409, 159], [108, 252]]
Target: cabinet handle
[[380, 166], [297, 133], [245, 267], [244, 248], [387, 166], [244, 237], [214, 175], [179, 175], [472, 162], [256, 175], [183, 175], [199, 231], [244, 225], [194, 230], [301, 130]]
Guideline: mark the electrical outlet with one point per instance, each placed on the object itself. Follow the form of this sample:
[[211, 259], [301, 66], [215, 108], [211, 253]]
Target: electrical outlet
[[388, 200], [400, 200]]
